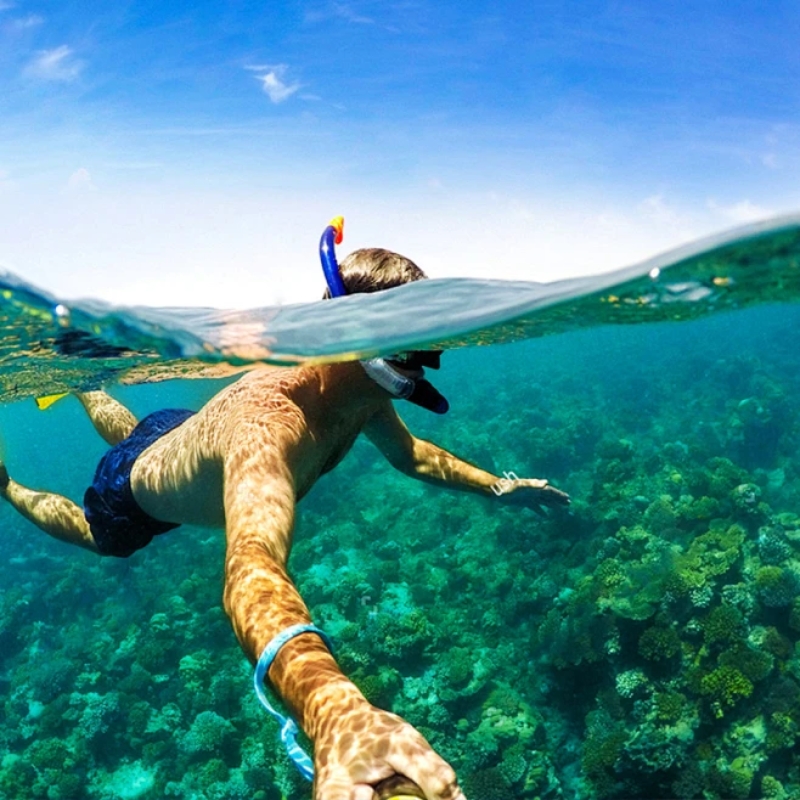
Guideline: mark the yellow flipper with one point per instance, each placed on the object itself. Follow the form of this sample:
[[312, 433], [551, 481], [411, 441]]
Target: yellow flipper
[[45, 402]]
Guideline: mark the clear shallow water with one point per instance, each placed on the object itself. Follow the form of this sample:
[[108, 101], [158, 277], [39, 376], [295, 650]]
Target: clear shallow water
[[644, 645]]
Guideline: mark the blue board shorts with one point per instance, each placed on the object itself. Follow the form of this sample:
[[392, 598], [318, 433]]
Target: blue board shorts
[[118, 524]]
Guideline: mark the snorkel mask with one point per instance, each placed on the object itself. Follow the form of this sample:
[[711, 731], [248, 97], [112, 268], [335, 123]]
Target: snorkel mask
[[415, 390]]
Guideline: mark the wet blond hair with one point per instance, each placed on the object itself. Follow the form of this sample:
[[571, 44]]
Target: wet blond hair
[[374, 269]]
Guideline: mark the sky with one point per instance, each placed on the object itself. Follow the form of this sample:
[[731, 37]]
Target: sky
[[190, 153]]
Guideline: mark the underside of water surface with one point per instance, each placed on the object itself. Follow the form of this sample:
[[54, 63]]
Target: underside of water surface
[[642, 644]]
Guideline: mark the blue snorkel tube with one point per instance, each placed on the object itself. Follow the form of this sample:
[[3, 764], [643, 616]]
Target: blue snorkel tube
[[420, 392], [331, 236]]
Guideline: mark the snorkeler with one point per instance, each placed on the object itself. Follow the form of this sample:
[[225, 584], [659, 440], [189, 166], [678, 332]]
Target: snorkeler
[[242, 463]]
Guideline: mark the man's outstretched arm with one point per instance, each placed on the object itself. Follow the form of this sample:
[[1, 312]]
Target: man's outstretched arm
[[355, 744], [428, 462]]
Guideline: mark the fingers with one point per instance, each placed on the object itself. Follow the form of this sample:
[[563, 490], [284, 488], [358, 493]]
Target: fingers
[[337, 786], [433, 775], [344, 789], [547, 494], [554, 497], [535, 483]]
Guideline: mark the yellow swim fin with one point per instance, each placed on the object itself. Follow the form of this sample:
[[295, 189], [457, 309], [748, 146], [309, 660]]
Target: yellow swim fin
[[45, 402]]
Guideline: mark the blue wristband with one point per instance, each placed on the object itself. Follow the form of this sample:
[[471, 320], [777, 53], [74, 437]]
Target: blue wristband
[[289, 729]]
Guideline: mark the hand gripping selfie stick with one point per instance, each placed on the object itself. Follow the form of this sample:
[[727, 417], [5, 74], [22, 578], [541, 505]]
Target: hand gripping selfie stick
[[398, 788], [394, 788]]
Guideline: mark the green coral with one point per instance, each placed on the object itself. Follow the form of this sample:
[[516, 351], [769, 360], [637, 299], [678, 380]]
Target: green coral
[[659, 643], [59, 784], [457, 666], [734, 782], [208, 733], [49, 754], [660, 516], [514, 765], [755, 665], [725, 476], [380, 689], [16, 777], [504, 699], [719, 549], [794, 617], [152, 655], [723, 624], [772, 789], [775, 643], [137, 718], [689, 783], [712, 554], [403, 638], [777, 587], [726, 686], [781, 732], [488, 784], [699, 510], [669, 706], [601, 750], [610, 573], [214, 771], [644, 581]]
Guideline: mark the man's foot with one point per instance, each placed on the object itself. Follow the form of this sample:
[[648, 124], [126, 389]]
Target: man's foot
[[4, 479]]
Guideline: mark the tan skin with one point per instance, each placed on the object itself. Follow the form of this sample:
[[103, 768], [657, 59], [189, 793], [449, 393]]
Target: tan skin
[[242, 463]]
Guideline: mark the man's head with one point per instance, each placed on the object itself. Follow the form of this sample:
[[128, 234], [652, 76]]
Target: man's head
[[374, 269]]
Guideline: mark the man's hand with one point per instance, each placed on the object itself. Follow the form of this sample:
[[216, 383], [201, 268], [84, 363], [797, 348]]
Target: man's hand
[[358, 749], [530, 493]]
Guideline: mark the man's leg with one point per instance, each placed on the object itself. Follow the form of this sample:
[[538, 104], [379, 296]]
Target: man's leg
[[110, 418], [54, 514]]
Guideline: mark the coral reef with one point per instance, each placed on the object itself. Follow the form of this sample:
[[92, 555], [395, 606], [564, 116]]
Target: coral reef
[[644, 644]]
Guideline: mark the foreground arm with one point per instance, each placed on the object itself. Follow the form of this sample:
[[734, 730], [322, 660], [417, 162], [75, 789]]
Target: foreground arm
[[429, 462], [355, 744]]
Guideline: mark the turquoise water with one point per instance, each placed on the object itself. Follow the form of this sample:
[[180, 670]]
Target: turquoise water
[[644, 644]]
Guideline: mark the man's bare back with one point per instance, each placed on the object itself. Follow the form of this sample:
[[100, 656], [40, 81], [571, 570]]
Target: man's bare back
[[306, 419]]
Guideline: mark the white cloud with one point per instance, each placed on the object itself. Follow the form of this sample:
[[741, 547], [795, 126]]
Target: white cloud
[[343, 11], [273, 82], [80, 180], [346, 12], [23, 23], [741, 212], [658, 210], [770, 160], [57, 64]]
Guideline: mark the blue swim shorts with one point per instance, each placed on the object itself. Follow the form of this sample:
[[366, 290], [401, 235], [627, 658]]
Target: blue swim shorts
[[118, 525]]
